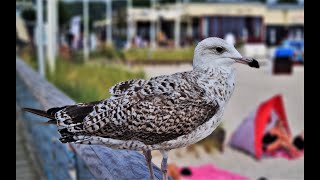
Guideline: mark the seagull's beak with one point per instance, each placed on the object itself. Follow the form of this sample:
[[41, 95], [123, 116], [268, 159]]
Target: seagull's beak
[[249, 61]]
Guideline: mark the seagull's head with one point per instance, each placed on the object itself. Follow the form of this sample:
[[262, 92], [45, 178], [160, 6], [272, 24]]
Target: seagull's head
[[215, 52]]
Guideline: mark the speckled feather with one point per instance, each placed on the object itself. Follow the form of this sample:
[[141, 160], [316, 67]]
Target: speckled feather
[[162, 113], [151, 113]]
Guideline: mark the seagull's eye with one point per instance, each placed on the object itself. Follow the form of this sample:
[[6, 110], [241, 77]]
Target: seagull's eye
[[219, 49]]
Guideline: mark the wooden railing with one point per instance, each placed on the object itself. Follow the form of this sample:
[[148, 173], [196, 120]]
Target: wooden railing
[[62, 161]]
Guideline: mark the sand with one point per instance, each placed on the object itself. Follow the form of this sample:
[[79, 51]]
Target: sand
[[252, 87]]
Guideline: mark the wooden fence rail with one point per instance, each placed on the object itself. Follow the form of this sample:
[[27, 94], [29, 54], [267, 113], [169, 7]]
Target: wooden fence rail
[[61, 161]]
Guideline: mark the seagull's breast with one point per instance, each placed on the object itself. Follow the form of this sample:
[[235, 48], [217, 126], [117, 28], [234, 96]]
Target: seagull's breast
[[219, 84]]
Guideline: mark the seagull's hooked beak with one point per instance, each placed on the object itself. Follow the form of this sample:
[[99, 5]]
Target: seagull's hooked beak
[[249, 61]]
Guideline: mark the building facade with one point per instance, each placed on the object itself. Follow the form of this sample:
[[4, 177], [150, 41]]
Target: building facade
[[249, 22]]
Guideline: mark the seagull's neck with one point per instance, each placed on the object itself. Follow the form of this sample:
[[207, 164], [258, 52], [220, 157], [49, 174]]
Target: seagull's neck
[[217, 79], [214, 70]]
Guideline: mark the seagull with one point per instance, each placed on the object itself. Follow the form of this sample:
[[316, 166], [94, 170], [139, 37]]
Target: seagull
[[163, 113]]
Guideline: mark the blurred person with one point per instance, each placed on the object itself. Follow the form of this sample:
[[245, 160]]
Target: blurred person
[[262, 178], [75, 30], [277, 138], [128, 45], [173, 172], [162, 39], [93, 41], [137, 41], [273, 36], [230, 38], [79, 41], [245, 35], [298, 141], [298, 35], [221, 136], [186, 171], [69, 39], [144, 43], [65, 51], [75, 42]]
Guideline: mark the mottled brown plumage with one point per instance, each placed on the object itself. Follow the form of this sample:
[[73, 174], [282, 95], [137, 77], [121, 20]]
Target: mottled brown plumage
[[161, 113], [150, 111]]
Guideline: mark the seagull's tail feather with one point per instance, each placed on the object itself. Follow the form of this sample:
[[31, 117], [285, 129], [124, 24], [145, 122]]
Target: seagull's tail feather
[[43, 114], [65, 131], [69, 119]]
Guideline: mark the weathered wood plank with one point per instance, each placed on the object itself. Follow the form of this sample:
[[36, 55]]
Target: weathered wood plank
[[26, 176], [24, 166], [103, 162]]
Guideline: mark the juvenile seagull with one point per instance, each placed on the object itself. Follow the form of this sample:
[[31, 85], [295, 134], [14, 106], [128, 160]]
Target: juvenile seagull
[[162, 113]]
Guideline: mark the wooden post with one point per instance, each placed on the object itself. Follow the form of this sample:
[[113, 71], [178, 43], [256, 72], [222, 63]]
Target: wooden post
[[129, 24], [39, 37], [109, 21], [177, 25], [152, 26], [52, 33], [85, 29]]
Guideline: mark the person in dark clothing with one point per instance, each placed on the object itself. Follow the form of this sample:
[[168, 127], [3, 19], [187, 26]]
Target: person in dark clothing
[[69, 38], [298, 142], [278, 138]]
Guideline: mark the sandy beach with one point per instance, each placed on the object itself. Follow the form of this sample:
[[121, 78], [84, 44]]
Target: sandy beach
[[252, 87]]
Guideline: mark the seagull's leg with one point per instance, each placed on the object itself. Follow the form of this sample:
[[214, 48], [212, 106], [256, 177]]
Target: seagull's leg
[[148, 156], [164, 164]]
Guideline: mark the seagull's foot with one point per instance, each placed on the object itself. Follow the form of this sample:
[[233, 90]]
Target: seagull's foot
[[148, 156], [164, 164]]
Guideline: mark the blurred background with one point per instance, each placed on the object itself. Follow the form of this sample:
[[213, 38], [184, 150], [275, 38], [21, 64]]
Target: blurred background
[[83, 47]]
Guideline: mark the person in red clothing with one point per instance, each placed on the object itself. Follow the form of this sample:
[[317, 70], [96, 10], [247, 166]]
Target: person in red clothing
[[277, 138]]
